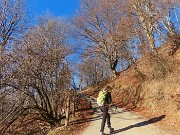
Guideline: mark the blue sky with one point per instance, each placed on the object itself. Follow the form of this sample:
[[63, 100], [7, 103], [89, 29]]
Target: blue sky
[[58, 8], [62, 8]]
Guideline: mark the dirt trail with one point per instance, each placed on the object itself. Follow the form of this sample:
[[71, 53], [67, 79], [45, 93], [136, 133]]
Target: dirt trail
[[124, 123]]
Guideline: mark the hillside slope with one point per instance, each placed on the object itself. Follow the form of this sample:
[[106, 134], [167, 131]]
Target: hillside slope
[[152, 90], [152, 86]]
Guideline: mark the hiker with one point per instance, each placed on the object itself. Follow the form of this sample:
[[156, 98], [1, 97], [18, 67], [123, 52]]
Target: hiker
[[104, 101]]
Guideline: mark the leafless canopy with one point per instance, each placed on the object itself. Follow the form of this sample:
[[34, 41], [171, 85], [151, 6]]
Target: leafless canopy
[[104, 26], [40, 76]]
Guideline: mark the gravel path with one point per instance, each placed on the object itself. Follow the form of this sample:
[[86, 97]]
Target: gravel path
[[124, 123]]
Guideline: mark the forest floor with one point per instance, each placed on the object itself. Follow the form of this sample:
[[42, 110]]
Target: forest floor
[[78, 123]]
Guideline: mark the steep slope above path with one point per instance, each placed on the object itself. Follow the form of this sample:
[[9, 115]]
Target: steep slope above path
[[146, 86]]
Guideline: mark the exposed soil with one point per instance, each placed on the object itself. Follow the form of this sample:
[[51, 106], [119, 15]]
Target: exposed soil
[[85, 112], [169, 123]]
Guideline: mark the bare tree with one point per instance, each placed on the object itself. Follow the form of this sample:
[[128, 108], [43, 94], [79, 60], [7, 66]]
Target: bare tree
[[103, 26], [41, 73], [150, 15], [13, 24], [13, 21], [93, 71]]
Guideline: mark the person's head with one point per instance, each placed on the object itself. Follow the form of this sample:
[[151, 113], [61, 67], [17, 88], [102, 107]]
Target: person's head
[[108, 88]]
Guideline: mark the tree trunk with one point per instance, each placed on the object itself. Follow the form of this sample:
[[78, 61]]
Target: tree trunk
[[74, 102], [113, 65], [2, 46], [146, 24], [67, 111], [113, 73], [1, 113], [151, 42]]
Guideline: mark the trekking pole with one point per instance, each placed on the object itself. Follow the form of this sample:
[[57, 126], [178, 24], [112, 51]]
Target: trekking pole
[[113, 106]]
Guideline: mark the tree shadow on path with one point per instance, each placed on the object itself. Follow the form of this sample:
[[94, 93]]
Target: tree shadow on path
[[87, 120], [144, 123]]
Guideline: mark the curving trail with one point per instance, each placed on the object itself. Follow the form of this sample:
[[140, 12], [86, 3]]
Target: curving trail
[[124, 123]]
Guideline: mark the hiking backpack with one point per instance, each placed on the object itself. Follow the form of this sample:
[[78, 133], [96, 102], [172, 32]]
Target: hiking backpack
[[104, 98], [108, 98]]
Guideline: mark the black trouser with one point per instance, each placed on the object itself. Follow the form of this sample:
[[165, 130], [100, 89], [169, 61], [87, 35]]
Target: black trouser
[[106, 115]]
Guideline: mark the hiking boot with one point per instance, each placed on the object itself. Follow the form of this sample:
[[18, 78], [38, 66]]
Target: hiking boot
[[102, 132], [111, 129]]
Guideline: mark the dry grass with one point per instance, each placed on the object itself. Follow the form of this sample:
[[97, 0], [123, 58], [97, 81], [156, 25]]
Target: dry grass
[[153, 87]]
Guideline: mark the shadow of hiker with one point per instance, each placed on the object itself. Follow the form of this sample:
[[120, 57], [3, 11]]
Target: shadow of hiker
[[144, 123]]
